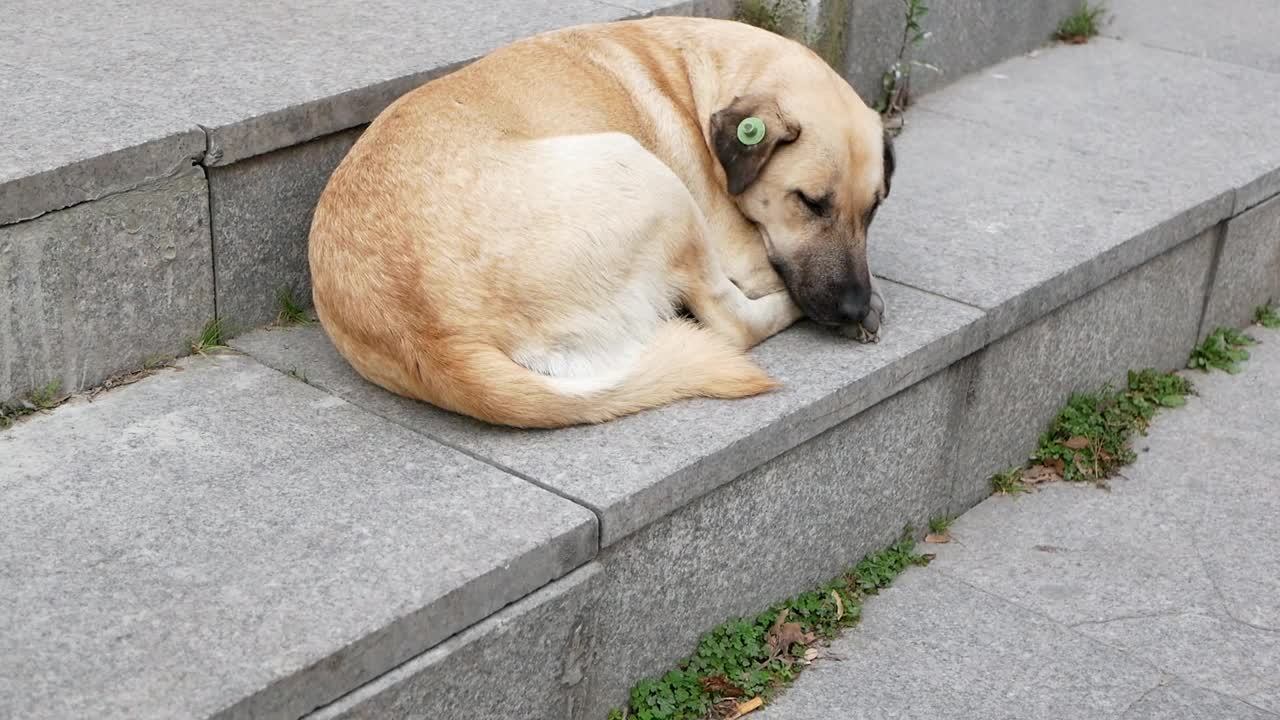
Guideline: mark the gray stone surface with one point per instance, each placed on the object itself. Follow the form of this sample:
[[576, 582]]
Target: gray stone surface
[[1154, 600], [221, 540], [1019, 225], [1180, 701], [261, 210], [1212, 652], [874, 38], [99, 288], [263, 76], [1172, 118], [934, 647], [1147, 317], [640, 468], [1236, 31], [529, 660], [1248, 269], [65, 144], [797, 521], [964, 36]]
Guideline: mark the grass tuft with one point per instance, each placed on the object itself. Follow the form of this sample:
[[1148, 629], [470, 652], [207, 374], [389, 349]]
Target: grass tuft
[[1268, 316], [291, 311], [1008, 482], [211, 338], [1084, 23], [940, 525], [46, 397], [748, 658], [1224, 349]]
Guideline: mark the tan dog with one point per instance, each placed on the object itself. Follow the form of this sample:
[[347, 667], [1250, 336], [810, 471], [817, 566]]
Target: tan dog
[[514, 241]]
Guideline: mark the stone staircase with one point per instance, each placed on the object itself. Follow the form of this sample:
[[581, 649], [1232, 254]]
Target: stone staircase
[[258, 533]]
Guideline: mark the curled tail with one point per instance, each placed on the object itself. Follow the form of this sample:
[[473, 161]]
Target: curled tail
[[682, 360]]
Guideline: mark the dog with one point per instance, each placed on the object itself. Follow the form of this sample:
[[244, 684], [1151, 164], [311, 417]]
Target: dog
[[521, 241]]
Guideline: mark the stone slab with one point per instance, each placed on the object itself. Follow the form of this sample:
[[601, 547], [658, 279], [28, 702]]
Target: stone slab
[[528, 660], [264, 76], [1248, 271], [1235, 31], [964, 36], [776, 531], [1178, 121], [933, 647], [1217, 463], [1211, 652], [1077, 554], [65, 144], [102, 287], [635, 470], [261, 209], [221, 540], [1020, 225], [1181, 701], [1147, 317]]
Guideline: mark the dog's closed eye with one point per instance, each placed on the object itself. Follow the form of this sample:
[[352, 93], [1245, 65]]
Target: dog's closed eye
[[818, 206]]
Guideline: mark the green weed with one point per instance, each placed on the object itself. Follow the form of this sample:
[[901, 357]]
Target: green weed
[[1268, 316], [46, 397], [1224, 349], [754, 657], [1081, 25], [210, 338], [291, 311], [896, 81], [1008, 482], [1090, 437]]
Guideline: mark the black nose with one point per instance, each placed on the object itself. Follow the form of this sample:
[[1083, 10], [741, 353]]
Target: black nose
[[854, 306]]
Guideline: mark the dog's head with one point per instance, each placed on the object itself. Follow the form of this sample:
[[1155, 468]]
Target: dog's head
[[811, 182]]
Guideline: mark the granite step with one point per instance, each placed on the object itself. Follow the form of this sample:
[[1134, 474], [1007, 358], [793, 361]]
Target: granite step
[[223, 541], [161, 159], [263, 534]]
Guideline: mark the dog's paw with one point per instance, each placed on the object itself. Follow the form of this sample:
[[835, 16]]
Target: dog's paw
[[869, 330]]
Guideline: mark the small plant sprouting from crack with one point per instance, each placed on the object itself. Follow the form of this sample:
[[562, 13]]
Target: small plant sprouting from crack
[[1081, 25], [1008, 482], [740, 664], [210, 338], [46, 397], [896, 81], [1268, 316], [291, 311], [1224, 349], [1091, 436]]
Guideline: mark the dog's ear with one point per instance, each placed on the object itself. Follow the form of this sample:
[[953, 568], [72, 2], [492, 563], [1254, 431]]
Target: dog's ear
[[741, 150], [890, 161]]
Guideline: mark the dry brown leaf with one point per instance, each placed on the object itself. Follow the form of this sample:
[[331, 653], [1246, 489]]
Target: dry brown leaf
[[1037, 474], [751, 705], [782, 637], [1076, 442], [811, 654], [938, 538], [839, 605], [1057, 465], [720, 685]]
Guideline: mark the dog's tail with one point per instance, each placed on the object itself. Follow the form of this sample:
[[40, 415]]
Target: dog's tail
[[683, 360]]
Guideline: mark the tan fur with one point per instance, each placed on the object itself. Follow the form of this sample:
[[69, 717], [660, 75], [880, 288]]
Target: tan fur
[[512, 241]]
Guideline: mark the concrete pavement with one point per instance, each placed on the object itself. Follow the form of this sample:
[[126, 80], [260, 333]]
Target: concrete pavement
[[1158, 599]]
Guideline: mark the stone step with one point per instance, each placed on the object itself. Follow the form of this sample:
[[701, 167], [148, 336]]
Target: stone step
[[221, 540], [280, 541], [161, 160]]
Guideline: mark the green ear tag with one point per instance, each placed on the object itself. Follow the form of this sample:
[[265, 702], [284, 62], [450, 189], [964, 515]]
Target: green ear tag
[[751, 131]]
